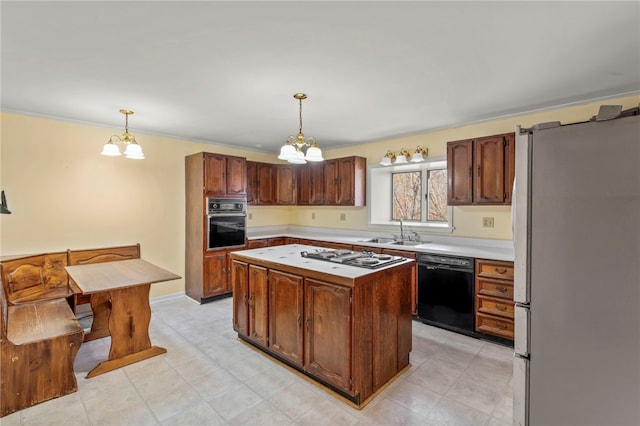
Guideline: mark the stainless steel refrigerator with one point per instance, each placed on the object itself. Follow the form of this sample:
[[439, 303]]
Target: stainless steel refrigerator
[[577, 273]]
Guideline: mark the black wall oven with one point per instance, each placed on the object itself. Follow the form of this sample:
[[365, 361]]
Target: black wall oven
[[446, 292], [226, 223]]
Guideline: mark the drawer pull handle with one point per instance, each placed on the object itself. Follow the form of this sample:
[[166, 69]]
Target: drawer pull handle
[[501, 325], [501, 289], [501, 307], [501, 271]]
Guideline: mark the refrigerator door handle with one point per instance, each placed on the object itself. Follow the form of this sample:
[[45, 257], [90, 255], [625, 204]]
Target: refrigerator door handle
[[521, 213], [521, 331], [520, 391]]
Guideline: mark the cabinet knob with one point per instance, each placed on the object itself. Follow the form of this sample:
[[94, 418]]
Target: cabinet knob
[[501, 289], [501, 271], [501, 307]]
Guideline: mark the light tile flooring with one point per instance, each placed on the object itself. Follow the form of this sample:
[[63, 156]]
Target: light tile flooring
[[208, 377]]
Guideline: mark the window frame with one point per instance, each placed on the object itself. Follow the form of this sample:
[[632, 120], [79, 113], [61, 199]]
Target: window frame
[[380, 210]]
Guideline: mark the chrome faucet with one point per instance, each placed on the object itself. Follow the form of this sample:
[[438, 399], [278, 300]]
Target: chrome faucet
[[401, 231]]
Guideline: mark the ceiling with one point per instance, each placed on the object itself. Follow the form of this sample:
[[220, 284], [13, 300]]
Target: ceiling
[[225, 72]]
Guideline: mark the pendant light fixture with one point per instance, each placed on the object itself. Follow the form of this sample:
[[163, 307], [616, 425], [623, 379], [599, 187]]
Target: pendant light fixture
[[132, 150], [292, 148]]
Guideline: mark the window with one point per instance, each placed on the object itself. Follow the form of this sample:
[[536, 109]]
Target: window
[[415, 193]]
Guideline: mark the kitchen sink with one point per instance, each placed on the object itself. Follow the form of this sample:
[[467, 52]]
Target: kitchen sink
[[378, 240], [407, 243]]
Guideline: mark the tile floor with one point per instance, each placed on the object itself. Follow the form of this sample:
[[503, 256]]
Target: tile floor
[[207, 377]]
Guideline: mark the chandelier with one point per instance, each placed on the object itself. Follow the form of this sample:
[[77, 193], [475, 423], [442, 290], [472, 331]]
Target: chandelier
[[292, 148], [132, 150], [401, 157]]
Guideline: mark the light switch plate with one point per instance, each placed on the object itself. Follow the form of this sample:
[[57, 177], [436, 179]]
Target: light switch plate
[[487, 222]]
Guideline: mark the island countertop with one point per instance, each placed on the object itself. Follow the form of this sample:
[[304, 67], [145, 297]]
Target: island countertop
[[288, 257]]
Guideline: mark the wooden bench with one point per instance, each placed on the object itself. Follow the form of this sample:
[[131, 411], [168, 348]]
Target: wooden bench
[[38, 277], [38, 345], [35, 277]]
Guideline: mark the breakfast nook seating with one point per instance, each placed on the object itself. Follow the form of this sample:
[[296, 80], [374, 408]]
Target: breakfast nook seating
[[39, 343]]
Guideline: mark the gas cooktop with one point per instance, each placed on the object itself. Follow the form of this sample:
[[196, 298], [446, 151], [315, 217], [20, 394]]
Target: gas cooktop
[[363, 259]]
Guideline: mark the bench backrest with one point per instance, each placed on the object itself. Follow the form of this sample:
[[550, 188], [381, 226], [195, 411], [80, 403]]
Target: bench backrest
[[36, 277], [4, 318], [109, 254]]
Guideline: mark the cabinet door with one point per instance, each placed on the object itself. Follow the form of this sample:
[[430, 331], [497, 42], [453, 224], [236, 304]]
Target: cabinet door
[[266, 183], [509, 165], [285, 315], [331, 182], [346, 181], [285, 184], [236, 176], [258, 305], [489, 170], [240, 286], [252, 182], [215, 280], [311, 184], [215, 174], [327, 330], [460, 172]]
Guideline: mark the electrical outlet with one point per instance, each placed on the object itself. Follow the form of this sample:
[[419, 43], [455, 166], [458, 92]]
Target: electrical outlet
[[250, 216], [487, 222], [313, 215], [343, 216]]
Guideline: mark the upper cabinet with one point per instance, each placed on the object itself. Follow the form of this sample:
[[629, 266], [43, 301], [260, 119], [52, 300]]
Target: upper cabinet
[[345, 181], [311, 184], [340, 181], [225, 175], [481, 170]]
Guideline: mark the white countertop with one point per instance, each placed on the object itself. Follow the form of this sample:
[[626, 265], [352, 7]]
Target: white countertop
[[453, 246], [289, 255]]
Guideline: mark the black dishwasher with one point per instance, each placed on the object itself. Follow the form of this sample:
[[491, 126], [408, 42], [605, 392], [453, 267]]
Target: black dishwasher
[[445, 292]]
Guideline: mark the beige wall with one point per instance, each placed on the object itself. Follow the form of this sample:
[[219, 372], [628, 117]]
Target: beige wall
[[63, 194]]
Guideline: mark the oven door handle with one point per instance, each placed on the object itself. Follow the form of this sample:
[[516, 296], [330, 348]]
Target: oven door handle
[[446, 267], [226, 214]]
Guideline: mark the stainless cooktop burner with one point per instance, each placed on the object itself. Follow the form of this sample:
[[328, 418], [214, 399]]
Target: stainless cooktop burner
[[363, 259]]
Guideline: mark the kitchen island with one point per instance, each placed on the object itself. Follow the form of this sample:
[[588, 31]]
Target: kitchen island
[[346, 327]]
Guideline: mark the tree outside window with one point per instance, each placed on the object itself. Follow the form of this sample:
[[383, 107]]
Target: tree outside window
[[408, 196]]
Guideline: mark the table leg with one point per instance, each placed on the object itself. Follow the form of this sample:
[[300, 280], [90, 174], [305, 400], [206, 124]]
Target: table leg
[[101, 308], [129, 328]]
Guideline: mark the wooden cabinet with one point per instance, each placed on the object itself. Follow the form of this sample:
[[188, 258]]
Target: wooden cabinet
[[215, 274], [311, 184], [265, 184], [250, 308], [414, 275], [252, 182], [263, 242], [328, 326], [352, 334], [494, 298], [481, 170], [340, 181], [286, 316], [208, 174], [345, 181], [286, 176], [225, 175]]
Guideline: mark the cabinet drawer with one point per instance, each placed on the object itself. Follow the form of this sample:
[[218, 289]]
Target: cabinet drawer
[[493, 306], [494, 269], [497, 326], [494, 288]]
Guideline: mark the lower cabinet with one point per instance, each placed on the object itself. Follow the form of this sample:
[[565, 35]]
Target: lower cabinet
[[350, 334], [327, 327], [250, 301], [286, 316], [494, 298], [216, 274]]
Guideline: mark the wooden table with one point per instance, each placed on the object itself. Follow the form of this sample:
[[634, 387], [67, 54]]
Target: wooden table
[[120, 304]]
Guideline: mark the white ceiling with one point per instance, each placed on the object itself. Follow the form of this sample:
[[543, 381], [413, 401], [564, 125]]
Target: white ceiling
[[225, 72]]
